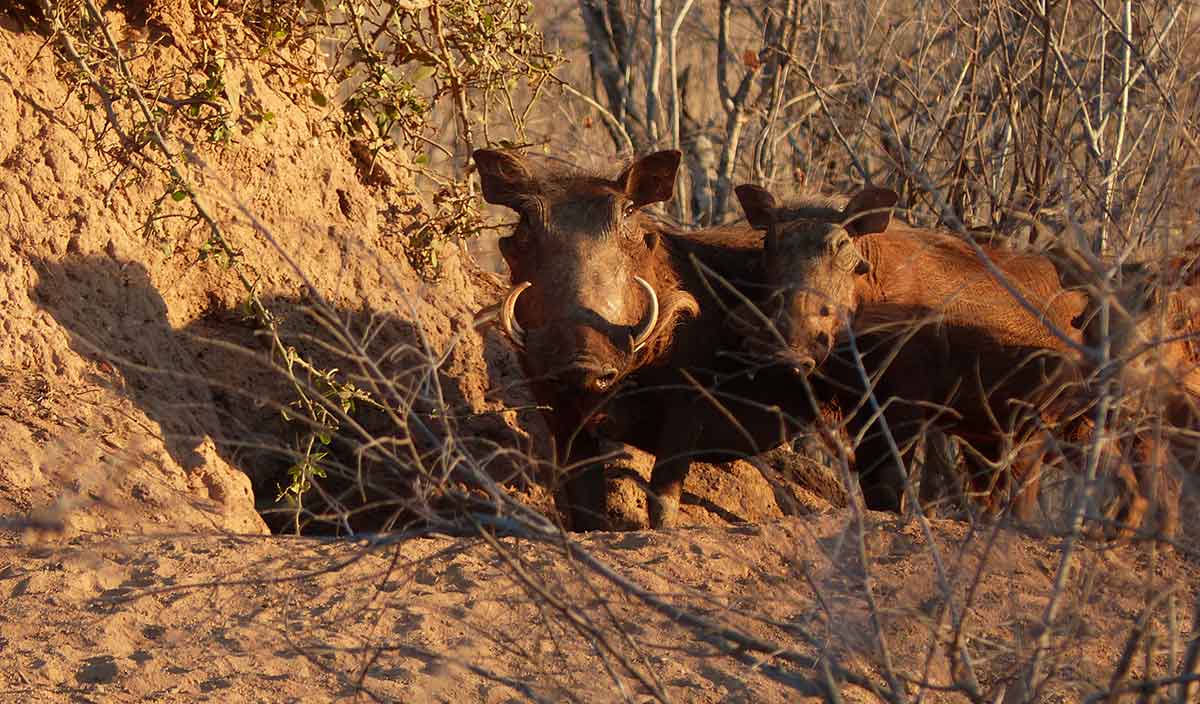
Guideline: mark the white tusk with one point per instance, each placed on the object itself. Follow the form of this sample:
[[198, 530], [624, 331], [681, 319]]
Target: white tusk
[[508, 315], [644, 336], [486, 316]]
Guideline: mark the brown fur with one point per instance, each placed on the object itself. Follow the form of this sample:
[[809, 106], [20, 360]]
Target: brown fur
[[581, 241], [989, 349], [944, 341], [1154, 341], [1159, 350], [1167, 326]]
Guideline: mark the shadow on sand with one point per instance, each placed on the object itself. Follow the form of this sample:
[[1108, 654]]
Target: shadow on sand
[[214, 378]]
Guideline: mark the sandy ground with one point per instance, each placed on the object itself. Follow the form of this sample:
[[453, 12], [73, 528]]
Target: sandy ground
[[242, 618]]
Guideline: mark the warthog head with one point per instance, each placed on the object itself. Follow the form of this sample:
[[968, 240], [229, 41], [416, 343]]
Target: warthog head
[[592, 289], [812, 264]]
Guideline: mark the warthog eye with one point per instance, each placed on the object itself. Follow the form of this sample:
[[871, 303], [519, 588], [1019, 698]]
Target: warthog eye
[[629, 209], [845, 254]]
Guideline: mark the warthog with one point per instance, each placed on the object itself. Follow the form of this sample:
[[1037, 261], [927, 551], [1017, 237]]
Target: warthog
[[1154, 339], [945, 342], [1178, 302], [1156, 327], [619, 330], [1176, 321]]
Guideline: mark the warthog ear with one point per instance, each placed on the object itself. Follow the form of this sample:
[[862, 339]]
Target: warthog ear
[[758, 204], [650, 179], [504, 177], [870, 210]]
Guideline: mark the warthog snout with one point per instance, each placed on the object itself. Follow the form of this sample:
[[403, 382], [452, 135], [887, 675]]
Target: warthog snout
[[803, 366], [589, 375], [822, 343], [806, 346]]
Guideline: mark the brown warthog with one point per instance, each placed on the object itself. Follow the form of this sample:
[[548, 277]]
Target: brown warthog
[[1155, 327], [1172, 329], [618, 329], [1173, 324], [1153, 331], [943, 339]]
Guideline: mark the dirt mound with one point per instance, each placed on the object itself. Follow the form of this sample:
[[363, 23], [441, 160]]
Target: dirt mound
[[121, 318], [73, 458]]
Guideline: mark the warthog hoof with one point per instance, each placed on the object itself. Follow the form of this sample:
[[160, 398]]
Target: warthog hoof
[[664, 510]]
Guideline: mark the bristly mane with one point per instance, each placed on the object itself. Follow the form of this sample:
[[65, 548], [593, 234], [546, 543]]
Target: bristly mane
[[675, 301], [569, 182], [559, 177], [733, 250], [812, 206]]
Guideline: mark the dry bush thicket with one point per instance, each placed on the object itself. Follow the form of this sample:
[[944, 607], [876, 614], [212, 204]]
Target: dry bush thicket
[[1068, 126]]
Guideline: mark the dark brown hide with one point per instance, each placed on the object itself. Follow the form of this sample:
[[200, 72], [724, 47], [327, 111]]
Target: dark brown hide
[[584, 258], [581, 243], [945, 343]]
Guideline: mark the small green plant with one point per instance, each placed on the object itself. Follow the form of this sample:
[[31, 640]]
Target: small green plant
[[422, 231], [321, 424]]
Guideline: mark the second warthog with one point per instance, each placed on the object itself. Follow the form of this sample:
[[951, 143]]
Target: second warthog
[[910, 326]]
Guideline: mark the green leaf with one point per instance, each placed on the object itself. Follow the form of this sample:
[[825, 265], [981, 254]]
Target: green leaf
[[179, 195], [319, 98], [421, 159], [421, 73]]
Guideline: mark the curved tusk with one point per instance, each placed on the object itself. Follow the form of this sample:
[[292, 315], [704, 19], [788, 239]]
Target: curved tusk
[[508, 315], [486, 316], [644, 336]]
